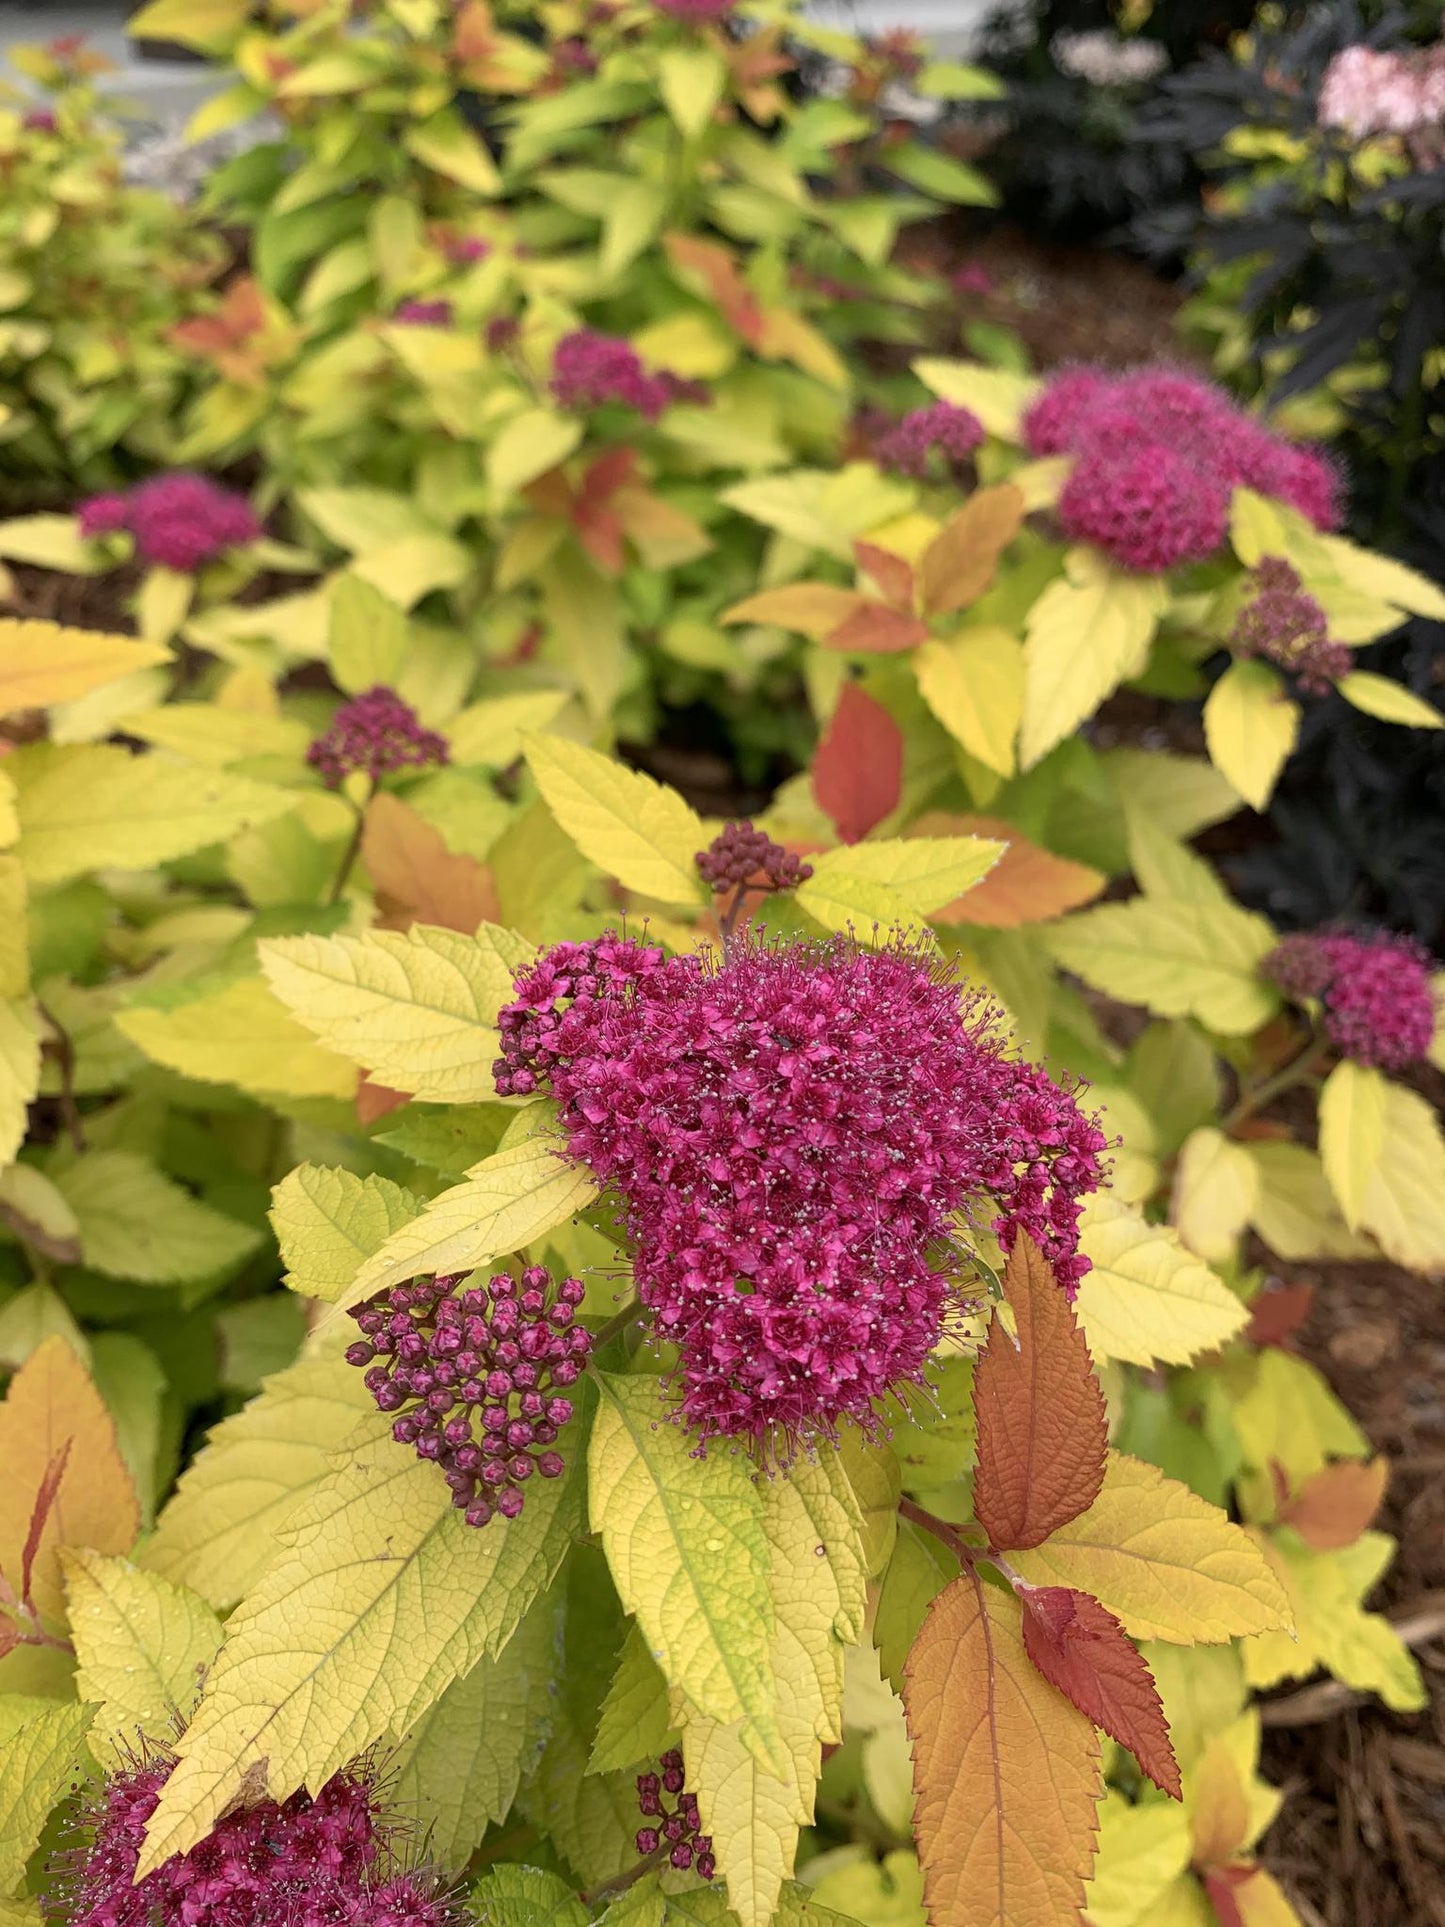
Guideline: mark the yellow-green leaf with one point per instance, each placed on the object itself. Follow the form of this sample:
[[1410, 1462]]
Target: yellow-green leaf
[[1179, 959], [207, 24], [1403, 1202], [368, 635], [209, 733], [1142, 1849], [1352, 1133], [328, 1221], [417, 1008], [241, 1034], [1088, 632], [997, 396], [142, 1646], [39, 1756], [691, 80], [1258, 526], [446, 143], [634, 1725], [1295, 1211], [1148, 1300], [974, 684], [1251, 728], [1327, 1591], [1384, 577], [925, 872], [488, 735], [1284, 1413], [19, 1070], [137, 1223], [1164, 1561], [530, 444], [635, 829], [688, 1548], [1390, 701], [1216, 1187], [41, 663]]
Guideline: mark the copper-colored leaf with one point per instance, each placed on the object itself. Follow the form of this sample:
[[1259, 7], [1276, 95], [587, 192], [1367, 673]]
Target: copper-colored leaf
[[1219, 1813], [1276, 1316], [812, 608], [858, 770], [893, 573], [1026, 885], [715, 266], [1042, 1436], [376, 1101], [1221, 1887], [1081, 1648], [416, 877], [51, 1405], [960, 563], [874, 629], [1338, 1503], [1005, 1772]]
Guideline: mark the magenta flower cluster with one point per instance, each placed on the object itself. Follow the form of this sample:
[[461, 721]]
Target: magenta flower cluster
[[476, 1378], [374, 733], [567, 975], [424, 314], [1377, 996], [696, 13], [1158, 454], [740, 854], [942, 428], [680, 1827], [179, 521], [791, 1131], [1286, 626], [330, 1861], [591, 369]]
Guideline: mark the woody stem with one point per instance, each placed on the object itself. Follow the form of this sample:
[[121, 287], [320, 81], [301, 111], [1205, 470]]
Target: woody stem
[[353, 848], [620, 1883]]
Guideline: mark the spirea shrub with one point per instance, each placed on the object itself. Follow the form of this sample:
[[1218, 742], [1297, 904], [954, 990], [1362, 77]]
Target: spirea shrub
[[1379, 1005], [179, 521], [374, 735]]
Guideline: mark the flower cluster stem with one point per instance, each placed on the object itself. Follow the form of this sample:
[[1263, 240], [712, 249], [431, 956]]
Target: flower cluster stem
[[1257, 1096], [353, 847]]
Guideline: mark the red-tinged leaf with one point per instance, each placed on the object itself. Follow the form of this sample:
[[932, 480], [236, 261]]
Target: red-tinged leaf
[[1275, 1316], [716, 268], [1026, 885], [1042, 1434], [858, 770], [893, 574], [1006, 1772], [1081, 1648], [1222, 1888], [1337, 1504], [874, 629], [416, 877], [1219, 1815], [376, 1101], [45, 1495]]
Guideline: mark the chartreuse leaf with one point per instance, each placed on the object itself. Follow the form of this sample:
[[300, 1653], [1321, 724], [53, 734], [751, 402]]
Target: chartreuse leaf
[[1142, 1851], [691, 80], [328, 1220], [886, 1893], [219, 1530], [241, 1034], [417, 1008], [459, 1767], [1352, 1133], [195, 23], [488, 734], [974, 684], [1216, 1187], [142, 1645], [135, 1222], [1251, 727], [635, 829], [530, 444], [368, 635], [1088, 632], [503, 1204], [1379, 575], [41, 663], [1326, 1592], [1286, 1415], [924, 872], [1390, 701], [1295, 1210], [514, 1896], [1006, 1771], [689, 1554], [1162, 1560], [57, 1437], [38, 1758], [93, 806], [1403, 1201], [996, 395], [1179, 959], [19, 1070], [381, 1596], [1147, 1300], [818, 1583], [634, 1724]]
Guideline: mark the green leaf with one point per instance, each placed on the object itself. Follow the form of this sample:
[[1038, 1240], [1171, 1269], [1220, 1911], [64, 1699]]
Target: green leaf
[[1403, 1201], [634, 1725], [996, 395], [1390, 701], [1352, 1133], [1332, 1629], [448, 1138], [1251, 727], [137, 1223], [1088, 632], [328, 1221], [689, 1554], [691, 80], [38, 1758], [1179, 959], [630, 224], [368, 635], [514, 1896], [258, 1337], [381, 1596], [219, 1530], [240, 1034], [416, 1008], [361, 519], [974, 684], [142, 1646], [94, 806], [508, 1200], [956, 80], [940, 174], [630, 826], [530, 444]]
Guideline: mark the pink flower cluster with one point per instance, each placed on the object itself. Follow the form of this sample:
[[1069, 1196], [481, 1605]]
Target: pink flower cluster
[[696, 13], [374, 733], [476, 1379], [179, 521], [324, 1862], [1370, 90], [951, 431], [740, 853], [1158, 454], [680, 1831], [1378, 998], [792, 1130], [1286, 626], [591, 369], [424, 314]]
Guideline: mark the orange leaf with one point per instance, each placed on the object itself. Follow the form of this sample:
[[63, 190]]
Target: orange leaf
[[1026, 885], [662, 535], [715, 267], [858, 768], [812, 608], [1336, 1505], [1218, 1808], [53, 1414], [1042, 1436], [415, 875], [891, 572], [1081, 1648], [961, 561], [876, 630], [1005, 1772], [376, 1101], [1277, 1315]]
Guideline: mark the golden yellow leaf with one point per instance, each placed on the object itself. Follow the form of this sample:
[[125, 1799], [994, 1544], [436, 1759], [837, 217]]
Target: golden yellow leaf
[[41, 663]]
